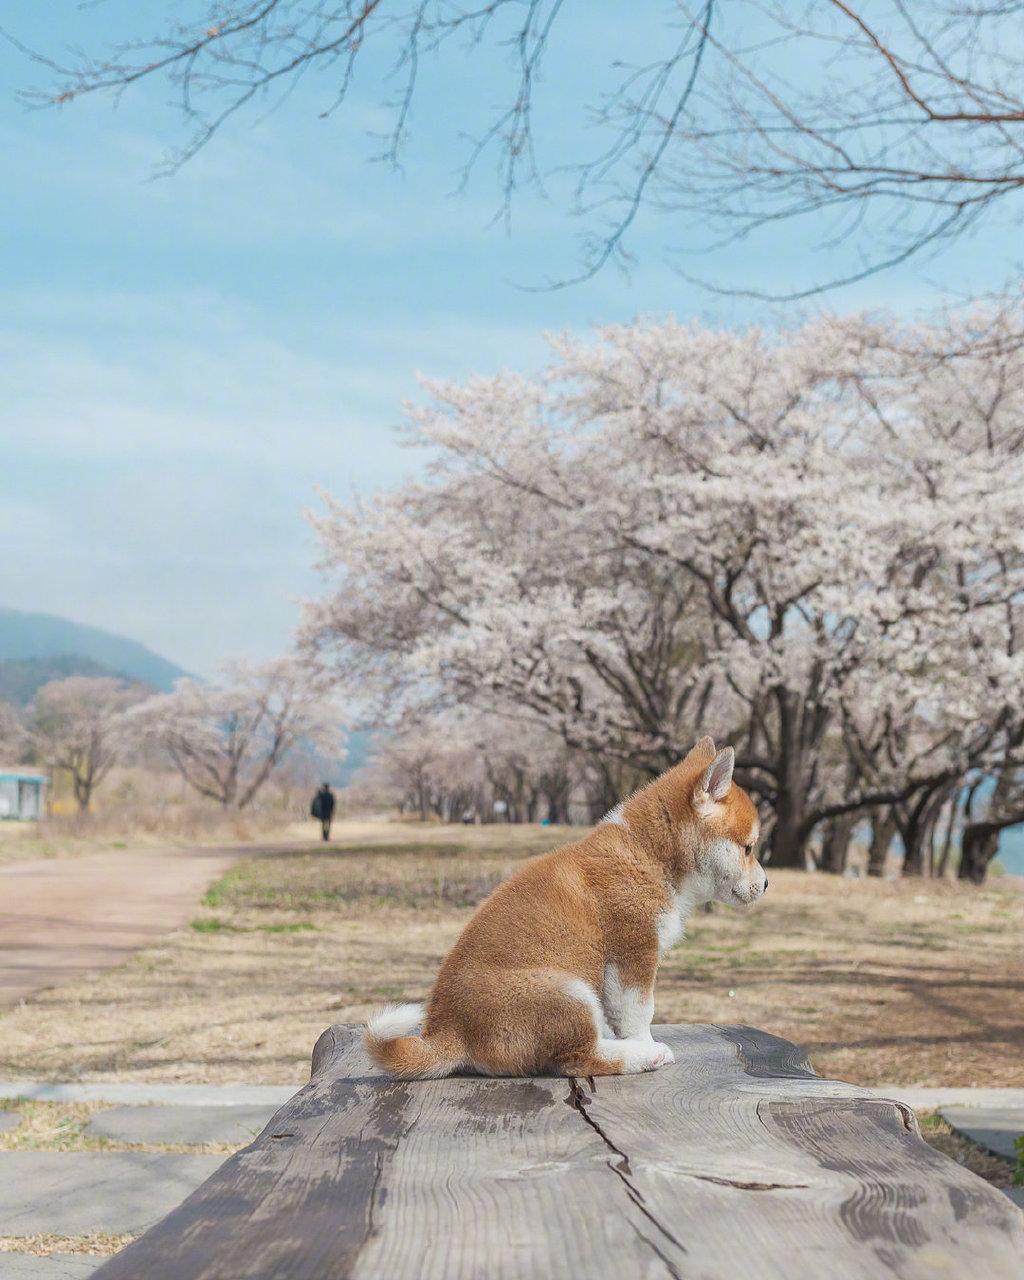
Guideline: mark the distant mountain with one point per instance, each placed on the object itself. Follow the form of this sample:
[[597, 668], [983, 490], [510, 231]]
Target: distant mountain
[[33, 645], [21, 677]]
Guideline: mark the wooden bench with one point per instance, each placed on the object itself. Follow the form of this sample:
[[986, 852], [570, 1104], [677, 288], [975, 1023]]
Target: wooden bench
[[735, 1162]]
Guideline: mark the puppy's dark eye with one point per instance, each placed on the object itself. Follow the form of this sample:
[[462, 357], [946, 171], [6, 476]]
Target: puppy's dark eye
[[749, 848]]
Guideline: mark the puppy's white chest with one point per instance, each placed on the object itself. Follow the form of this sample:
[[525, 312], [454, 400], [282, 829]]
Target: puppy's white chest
[[670, 925]]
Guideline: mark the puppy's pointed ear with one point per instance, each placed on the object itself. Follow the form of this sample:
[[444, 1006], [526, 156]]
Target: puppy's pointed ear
[[714, 783], [700, 754]]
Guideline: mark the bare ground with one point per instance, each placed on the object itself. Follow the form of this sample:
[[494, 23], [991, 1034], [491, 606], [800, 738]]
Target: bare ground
[[919, 983], [184, 826]]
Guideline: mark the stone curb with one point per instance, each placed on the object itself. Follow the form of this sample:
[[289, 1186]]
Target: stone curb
[[921, 1099], [241, 1095], [137, 1095]]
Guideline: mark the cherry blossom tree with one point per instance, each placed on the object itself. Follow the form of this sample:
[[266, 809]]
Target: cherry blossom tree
[[227, 739], [459, 762], [14, 735], [808, 541], [81, 724]]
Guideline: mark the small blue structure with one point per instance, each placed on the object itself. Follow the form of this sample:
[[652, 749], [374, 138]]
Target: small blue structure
[[21, 794]]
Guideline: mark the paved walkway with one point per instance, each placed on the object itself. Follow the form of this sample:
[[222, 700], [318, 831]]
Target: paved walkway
[[930, 1099], [75, 1193], [62, 917], [153, 1092]]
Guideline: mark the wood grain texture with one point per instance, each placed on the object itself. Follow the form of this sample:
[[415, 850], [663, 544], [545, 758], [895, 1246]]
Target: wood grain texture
[[736, 1160]]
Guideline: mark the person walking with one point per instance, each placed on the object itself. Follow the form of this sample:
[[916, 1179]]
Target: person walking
[[323, 808]]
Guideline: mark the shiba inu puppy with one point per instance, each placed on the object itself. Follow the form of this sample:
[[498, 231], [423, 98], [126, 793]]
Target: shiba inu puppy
[[554, 973]]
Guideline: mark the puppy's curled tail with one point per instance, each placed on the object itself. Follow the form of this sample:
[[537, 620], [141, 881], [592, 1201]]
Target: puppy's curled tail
[[391, 1045]]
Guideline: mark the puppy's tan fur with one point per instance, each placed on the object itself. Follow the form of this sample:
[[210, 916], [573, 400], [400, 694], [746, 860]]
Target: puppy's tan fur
[[555, 971]]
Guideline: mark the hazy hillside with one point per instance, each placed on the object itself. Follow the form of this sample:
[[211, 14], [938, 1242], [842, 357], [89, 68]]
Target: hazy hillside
[[21, 677], [77, 649]]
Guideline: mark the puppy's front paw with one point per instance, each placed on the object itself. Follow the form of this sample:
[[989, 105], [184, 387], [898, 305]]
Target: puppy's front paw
[[664, 1055], [643, 1055]]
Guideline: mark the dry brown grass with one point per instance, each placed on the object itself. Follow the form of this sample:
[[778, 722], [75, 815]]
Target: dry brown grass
[[914, 983], [938, 1134], [101, 1244], [63, 1126]]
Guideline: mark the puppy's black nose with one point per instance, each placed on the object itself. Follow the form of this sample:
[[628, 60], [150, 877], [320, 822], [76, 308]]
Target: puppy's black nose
[[765, 889]]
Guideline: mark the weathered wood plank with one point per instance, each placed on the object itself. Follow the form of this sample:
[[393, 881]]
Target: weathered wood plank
[[758, 1165], [736, 1159], [463, 1171]]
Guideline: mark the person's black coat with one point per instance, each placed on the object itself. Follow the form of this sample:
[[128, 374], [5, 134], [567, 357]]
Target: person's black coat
[[323, 804]]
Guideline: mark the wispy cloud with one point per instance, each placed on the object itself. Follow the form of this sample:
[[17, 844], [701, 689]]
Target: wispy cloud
[[184, 359], [162, 447]]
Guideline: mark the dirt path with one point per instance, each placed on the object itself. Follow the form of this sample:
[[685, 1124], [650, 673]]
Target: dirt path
[[63, 917]]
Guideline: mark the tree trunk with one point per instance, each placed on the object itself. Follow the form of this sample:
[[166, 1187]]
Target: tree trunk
[[960, 803], [978, 846], [913, 833], [558, 808], [835, 846], [883, 829], [82, 783], [787, 840], [916, 829], [791, 830]]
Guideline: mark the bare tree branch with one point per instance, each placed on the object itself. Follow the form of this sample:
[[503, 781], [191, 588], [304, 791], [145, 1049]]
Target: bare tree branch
[[894, 132]]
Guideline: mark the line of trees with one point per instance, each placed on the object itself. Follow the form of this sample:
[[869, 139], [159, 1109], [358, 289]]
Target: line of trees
[[810, 542], [226, 739], [457, 766]]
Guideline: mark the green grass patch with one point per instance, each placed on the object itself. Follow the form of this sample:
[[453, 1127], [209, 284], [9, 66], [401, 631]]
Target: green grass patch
[[221, 890], [214, 924], [970, 929], [419, 849], [301, 882]]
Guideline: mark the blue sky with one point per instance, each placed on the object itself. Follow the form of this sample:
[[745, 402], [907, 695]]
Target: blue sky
[[184, 360]]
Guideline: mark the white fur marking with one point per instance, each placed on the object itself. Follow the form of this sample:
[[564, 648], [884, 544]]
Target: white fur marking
[[615, 816], [629, 1009], [580, 990], [635, 1055], [671, 923], [395, 1020], [670, 927], [724, 874]]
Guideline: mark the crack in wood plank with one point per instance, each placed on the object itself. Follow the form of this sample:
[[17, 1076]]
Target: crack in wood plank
[[390, 1149], [663, 1258], [371, 1208], [741, 1185], [578, 1100]]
